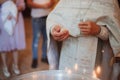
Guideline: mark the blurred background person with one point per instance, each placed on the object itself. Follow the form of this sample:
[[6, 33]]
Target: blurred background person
[[12, 41], [39, 11]]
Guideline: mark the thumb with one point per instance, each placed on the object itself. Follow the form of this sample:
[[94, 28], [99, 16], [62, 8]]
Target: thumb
[[57, 28]]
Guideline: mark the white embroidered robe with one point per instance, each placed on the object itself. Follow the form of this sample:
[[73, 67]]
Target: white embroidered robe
[[78, 52]]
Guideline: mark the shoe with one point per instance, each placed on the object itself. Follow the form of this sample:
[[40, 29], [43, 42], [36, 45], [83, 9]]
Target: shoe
[[34, 63], [6, 72], [45, 60], [15, 69]]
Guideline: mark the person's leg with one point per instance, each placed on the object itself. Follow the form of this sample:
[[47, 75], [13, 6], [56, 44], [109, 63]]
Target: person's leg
[[44, 44], [5, 68], [36, 35], [15, 63]]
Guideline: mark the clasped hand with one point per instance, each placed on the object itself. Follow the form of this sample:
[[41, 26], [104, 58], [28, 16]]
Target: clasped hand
[[60, 33], [89, 28]]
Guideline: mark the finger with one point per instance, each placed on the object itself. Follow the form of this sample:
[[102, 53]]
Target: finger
[[56, 38], [59, 34], [63, 34], [85, 30], [64, 37], [56, 31], [84, 27], [56, 34], [59, 38], [63, 31], [85, 33], [83, 24], [57, 28]]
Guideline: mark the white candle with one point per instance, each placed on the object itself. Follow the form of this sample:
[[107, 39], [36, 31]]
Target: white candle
[[69, 71], [76, 67], [98, 71]]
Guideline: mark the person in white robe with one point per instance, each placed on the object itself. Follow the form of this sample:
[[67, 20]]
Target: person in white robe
[[81, 25]]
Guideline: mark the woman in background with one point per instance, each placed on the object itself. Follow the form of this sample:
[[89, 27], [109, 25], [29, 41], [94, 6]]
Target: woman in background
[[16, 41]]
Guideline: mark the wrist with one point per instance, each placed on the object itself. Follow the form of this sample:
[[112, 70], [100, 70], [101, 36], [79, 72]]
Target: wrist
[[104, 33]]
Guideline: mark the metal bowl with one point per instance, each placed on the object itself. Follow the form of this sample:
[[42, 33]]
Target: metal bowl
[[48, 75]]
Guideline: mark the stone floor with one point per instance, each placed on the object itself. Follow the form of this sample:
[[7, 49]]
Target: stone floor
[[25, 56]]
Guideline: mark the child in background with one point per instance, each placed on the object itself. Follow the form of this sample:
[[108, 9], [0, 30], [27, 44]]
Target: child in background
[[12, 39]]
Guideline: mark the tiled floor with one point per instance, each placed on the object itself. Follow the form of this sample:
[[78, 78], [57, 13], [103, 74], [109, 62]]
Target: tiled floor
[[25, 56]]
